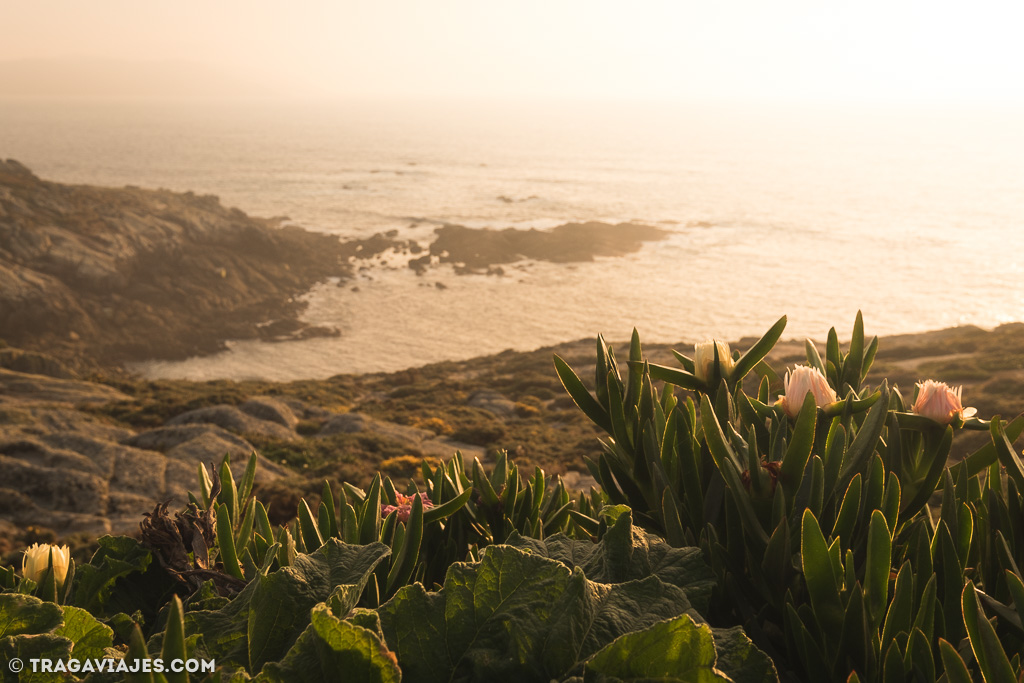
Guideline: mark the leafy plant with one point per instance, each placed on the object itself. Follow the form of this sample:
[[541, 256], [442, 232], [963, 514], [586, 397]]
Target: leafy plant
[[813, 509]]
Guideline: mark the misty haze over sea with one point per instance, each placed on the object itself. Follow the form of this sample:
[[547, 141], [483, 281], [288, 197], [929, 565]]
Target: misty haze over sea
[[914, 216]]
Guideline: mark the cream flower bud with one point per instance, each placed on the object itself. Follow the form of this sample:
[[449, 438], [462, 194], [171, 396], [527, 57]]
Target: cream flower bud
[[803, 380], [940, 402], [37, 560], [704, 359]]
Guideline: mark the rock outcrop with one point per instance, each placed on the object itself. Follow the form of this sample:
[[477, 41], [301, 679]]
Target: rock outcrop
[[474, 250], [99, 275], [66, 469]]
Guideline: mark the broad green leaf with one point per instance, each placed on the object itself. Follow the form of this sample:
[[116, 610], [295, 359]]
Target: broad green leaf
[[674, 650], [118, 558], [739, 659], [516, 616], [626, 553], [280, 604], [27, 615], [90, 637], [274, 609], [28, 647], [334, 651]]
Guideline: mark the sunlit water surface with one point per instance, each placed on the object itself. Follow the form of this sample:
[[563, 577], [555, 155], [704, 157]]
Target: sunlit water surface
[[914, 217]]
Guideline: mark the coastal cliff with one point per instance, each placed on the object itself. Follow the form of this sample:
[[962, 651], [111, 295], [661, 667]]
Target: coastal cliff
[[101, 276]]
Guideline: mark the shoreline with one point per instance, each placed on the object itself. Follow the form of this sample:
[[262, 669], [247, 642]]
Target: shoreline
[[120, 443]]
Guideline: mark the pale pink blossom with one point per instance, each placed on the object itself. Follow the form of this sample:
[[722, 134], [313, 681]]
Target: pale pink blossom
[[404, 506], [940, 402], [704, 359], [803, 380]]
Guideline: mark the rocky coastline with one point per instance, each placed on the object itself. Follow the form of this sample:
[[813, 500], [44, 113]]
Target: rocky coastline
[[93, 277], [101, 276]]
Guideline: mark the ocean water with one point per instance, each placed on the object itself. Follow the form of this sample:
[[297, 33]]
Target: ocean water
[[915, 217]]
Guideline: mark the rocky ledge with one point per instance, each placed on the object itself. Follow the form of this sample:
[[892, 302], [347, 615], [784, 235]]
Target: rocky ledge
[[99, 275]]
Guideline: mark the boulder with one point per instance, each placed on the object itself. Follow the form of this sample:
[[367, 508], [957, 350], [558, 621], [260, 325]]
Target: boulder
[[50, 389], [56, 488], [164, 439], [270, 410], [492, 402], [234, 420]]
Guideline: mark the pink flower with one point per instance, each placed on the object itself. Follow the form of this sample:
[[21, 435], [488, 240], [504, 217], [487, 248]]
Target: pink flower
[[404, 506], [940, 402], [805, 380]]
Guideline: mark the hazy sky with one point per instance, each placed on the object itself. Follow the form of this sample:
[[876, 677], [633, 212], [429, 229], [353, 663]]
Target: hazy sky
[[732, 49]]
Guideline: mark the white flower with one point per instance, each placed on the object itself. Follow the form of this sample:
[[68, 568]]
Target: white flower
[[940, 402], [704, 359], [803, 380], [37, 560]]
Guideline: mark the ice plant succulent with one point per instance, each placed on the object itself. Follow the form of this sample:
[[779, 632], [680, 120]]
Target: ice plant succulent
[[37, 560], [704, 359], [803, 380], [940, 402], [404, 506]]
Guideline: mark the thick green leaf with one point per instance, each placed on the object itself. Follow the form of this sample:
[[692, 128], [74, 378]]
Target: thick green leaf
[[820, 574], [248, 478], [726, 460], [580, 396], [794, 463], [864, 442], [226, 542], [876, 575], [311, 536], [174, 641], [445, 510], [988, 651], [758, 351], [1004, 451], [956, 670], [404, 562], [986, 455], [680, 378]]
